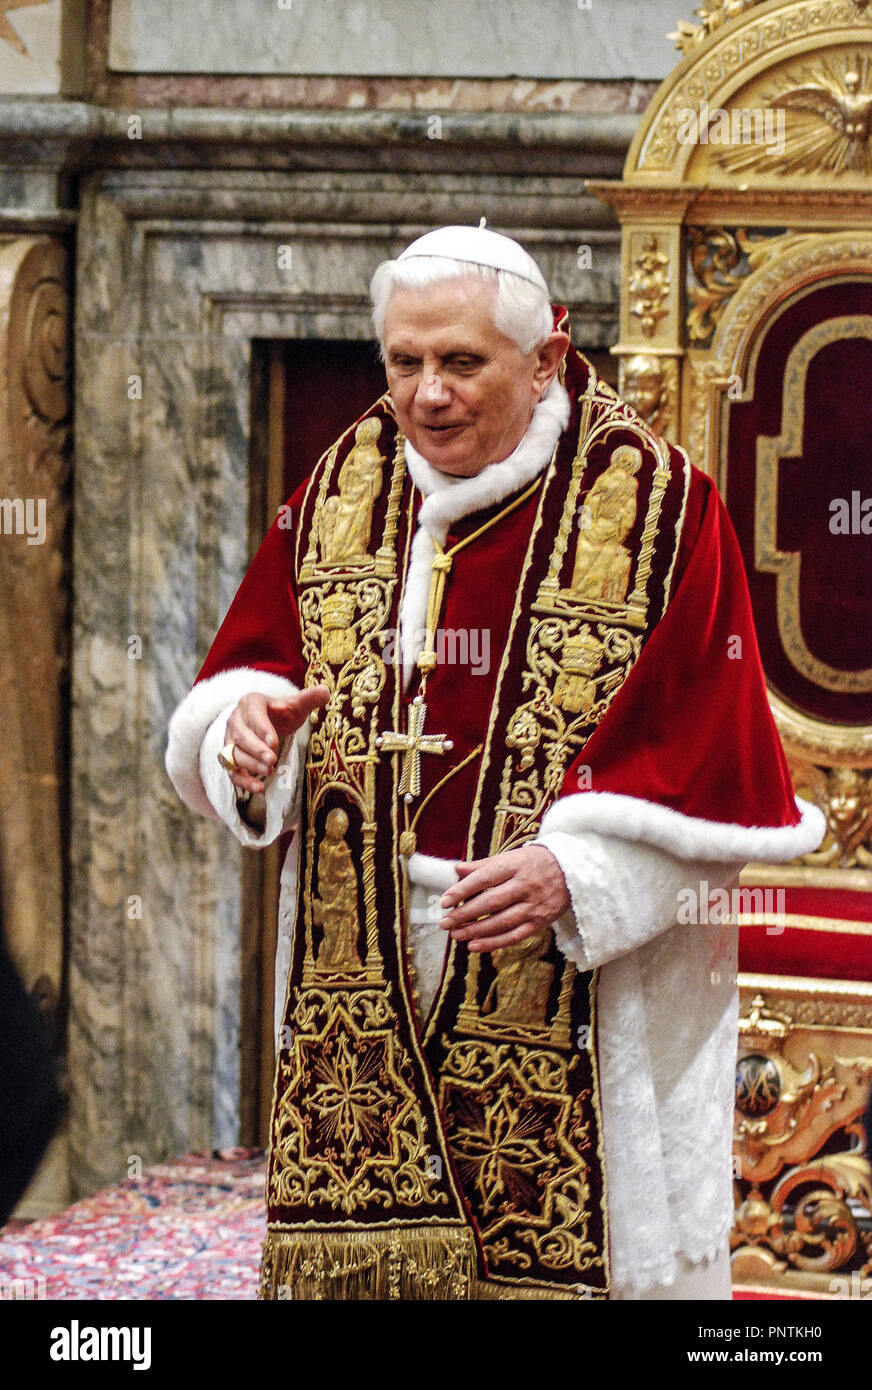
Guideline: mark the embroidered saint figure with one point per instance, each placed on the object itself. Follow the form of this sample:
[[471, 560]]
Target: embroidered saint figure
[[346, 524], [602, 562], [336, 908], [522, 984]]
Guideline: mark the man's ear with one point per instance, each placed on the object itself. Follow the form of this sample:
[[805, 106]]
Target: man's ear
[[550, 354]]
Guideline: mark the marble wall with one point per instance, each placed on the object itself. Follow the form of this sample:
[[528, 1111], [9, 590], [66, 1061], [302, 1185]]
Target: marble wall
[[182, 77], [496, 38], [178, 273], [42, 47]]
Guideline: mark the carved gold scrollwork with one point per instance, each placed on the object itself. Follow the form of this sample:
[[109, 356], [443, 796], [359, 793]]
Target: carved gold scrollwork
[[816, 1218], [796, 1206], [808, 1104], [720, 260], [712, 17], [717, 57]]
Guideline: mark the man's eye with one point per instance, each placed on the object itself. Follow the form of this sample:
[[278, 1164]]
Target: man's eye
[[464, 364], [404, 364]]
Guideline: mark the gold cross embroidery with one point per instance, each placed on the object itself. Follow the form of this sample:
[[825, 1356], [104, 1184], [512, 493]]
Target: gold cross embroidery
[[412, 745]]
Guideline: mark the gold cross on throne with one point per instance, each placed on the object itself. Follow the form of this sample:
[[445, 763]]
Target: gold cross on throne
[[412, 745]]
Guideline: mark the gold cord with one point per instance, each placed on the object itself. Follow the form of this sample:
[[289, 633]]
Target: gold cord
[[442, 562]]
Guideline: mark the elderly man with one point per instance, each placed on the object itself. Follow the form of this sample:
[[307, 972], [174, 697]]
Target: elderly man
[[504, 1056]]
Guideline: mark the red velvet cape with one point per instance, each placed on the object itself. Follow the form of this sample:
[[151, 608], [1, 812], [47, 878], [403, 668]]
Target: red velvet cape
[[690, 730]]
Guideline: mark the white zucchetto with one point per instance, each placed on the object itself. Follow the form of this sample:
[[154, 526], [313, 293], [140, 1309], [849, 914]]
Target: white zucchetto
[[480, 246]]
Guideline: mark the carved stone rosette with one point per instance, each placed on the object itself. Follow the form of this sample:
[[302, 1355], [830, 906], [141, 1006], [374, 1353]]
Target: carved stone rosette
[[35, 403]]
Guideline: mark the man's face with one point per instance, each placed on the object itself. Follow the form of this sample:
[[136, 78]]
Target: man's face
[[464, 393]]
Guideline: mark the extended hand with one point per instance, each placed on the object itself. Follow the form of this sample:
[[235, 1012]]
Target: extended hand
[[516, 893], [258, 726]]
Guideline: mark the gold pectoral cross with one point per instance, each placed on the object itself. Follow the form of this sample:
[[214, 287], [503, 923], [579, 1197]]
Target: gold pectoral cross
[[416, 742], [412, 745]]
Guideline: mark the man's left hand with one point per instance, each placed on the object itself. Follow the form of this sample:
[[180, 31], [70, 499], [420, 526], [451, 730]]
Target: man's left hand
[[514, 894]]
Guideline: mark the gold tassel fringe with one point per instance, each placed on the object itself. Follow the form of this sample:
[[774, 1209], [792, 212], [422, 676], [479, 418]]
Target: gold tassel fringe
[[408, 1264]]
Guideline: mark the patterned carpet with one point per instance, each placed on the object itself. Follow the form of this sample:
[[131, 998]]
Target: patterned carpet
[[189, 1229]]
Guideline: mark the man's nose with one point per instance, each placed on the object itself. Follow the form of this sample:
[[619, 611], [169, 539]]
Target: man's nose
[[431, 389]]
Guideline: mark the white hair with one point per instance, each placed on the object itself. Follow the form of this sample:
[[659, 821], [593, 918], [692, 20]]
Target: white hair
[[521, 309]]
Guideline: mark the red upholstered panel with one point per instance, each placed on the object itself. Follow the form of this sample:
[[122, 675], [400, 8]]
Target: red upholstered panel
[[826, 954], [836, 573], [827, 934]]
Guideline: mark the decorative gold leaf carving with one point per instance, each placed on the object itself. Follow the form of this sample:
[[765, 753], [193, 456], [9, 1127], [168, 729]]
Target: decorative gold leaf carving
[[774, 34], [649, 286], [844, 794], [720, 260], [794, 1203], [712, 17], [650, 385], [828, 105]]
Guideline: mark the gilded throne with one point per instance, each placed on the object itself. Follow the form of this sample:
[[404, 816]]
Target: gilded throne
[[746, 335]]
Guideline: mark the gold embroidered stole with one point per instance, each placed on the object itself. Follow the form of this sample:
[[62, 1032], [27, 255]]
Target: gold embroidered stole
[[462, 1159]]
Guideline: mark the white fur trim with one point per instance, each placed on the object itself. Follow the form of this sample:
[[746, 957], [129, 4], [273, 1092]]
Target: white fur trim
[[430, 872], [688, 837], [200, 707], [446, 498]]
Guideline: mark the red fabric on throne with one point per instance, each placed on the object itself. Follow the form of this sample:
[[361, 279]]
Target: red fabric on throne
[[835, 574]]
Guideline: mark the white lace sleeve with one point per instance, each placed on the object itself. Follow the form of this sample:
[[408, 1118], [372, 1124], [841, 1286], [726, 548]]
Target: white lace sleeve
[[624, 893]]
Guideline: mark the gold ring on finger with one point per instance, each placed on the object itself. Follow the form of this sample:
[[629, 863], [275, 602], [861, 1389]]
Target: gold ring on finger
[[227, 758]]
